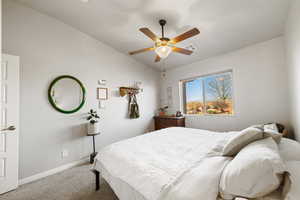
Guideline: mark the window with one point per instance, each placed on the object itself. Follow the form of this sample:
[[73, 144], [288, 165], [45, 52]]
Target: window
[[211, 94]]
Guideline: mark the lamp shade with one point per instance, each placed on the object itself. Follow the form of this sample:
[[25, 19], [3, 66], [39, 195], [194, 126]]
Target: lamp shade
[[163, 51]]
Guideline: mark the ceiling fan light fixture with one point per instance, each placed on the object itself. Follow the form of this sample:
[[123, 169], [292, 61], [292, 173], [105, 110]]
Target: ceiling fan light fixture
[[163, 51], [163, 46]]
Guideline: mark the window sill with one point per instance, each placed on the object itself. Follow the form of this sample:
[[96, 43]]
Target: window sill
[[210, 115]]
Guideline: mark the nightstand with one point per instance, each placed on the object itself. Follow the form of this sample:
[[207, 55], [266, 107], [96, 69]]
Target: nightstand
[[166, 122]]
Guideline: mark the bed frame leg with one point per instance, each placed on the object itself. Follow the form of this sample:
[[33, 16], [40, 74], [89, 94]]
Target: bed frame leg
[[97, 176]]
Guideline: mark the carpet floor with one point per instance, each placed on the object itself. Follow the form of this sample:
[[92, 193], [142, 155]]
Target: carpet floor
[[77, 183]]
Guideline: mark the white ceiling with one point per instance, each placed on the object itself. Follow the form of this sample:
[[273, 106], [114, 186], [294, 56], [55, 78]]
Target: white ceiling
[[225, 25]]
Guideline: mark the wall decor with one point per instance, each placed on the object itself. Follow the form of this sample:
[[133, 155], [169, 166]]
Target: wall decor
[[170, 97], [102, 93], [128, 91], [66, 94], [133, 107]]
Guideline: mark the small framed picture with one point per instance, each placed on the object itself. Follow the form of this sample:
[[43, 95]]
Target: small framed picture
[[102, 93]]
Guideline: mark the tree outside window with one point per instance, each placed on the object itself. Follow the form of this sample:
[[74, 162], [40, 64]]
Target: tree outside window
[[210, 94]]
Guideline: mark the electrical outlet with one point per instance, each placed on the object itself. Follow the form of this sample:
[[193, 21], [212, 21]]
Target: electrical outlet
[[64, 153]]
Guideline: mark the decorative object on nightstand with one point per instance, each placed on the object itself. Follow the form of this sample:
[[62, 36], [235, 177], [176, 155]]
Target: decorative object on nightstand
[[168, 121], [93, 129], [163, 110], [179, 114]]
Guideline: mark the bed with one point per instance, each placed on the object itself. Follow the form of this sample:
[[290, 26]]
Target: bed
[[169, 164]]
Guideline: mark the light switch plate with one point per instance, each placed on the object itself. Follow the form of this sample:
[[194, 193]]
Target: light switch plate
[[101, 104]]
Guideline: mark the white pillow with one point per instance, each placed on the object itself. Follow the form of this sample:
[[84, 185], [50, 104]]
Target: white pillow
[[275, 135], [289, 149], [293, 168], [254, 172], [245, 137], [272, 127]]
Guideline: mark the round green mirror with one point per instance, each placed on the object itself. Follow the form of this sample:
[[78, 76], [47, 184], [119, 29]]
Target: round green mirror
[[66, 94]]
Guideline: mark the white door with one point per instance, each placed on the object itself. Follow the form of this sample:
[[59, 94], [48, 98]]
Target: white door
[[9, 123]]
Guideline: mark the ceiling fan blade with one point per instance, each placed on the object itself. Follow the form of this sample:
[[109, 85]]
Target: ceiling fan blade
[[141, 50], [186, 35], [181, 50], [157, 59], [149, 33]]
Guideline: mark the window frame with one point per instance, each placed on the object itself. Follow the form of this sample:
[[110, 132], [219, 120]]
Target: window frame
[[182, 95]]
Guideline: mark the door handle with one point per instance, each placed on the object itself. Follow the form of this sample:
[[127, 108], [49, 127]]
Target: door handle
[[10, 128]]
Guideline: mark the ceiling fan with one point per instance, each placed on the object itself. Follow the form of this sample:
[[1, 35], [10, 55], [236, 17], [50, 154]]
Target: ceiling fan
[[164, 46]]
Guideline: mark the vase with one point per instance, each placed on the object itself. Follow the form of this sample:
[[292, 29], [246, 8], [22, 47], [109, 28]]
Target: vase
[[93, 128], [162, 113]]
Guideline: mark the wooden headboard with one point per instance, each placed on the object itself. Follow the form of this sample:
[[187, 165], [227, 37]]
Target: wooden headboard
[[285, 133]]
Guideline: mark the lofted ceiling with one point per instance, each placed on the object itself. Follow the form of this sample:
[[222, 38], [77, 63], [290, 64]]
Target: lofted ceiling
[[225, 25]]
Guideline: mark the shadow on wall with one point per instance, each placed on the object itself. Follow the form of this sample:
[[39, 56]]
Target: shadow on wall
[[150, 126], [291, 133], [79, 131]]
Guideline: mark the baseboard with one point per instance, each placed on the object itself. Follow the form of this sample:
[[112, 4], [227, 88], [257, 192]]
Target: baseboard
[[52, 171]]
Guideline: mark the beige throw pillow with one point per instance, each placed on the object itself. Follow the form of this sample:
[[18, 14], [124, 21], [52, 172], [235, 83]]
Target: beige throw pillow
[[240, 140]]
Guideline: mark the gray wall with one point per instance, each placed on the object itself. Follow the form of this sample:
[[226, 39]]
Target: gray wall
[[259, 83], [49, 48], [292, 37]]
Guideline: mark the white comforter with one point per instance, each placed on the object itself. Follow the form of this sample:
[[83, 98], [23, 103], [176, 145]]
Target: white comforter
[[161, 168]]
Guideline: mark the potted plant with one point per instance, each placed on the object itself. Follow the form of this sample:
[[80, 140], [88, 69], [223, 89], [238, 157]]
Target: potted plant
[[162, 111], [93, 126]]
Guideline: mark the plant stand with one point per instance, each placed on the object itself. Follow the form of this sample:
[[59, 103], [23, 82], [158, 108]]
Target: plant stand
[[94, 154]]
